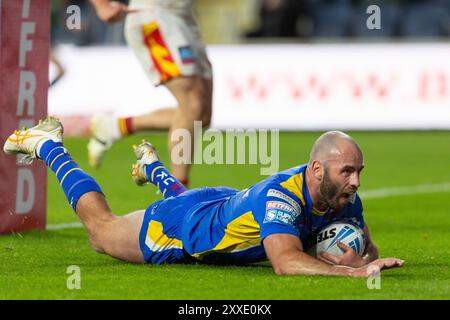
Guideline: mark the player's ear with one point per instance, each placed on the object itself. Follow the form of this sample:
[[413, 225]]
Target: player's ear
[[317, 169]]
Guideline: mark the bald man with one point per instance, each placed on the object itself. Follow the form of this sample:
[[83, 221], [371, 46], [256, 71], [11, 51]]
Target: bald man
[[273, 219]]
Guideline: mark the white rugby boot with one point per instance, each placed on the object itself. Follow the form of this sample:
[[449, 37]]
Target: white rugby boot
[[104, 132], [29, 141], [145, 154]]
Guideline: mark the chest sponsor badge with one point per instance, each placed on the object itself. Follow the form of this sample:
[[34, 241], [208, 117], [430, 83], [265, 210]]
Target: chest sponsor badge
[[278, 194], [277, 211]]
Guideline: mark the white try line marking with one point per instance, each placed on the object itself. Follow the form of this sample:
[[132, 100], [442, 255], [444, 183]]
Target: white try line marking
[[405, 191], [365, 195], [62, 226]]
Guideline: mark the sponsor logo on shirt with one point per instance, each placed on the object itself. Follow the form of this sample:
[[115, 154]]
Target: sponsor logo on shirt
[[270, 215], [279, 205], [278, 194], [277, 211], [186, 54]]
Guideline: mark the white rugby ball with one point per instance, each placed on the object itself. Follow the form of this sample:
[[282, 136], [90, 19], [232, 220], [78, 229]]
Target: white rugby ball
[[348, 234]]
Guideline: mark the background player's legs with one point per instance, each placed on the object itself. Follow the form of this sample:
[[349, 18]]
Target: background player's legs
[[160, 119], [194, 97], [158, 52]]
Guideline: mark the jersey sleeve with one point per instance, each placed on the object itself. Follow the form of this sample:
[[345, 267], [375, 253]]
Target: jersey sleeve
[[278, 212]]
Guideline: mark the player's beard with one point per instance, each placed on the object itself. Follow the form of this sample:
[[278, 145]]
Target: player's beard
[[329, 190]]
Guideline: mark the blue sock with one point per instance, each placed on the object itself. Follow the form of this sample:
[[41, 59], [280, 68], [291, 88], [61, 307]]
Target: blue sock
[[74, 181], [163, 180]]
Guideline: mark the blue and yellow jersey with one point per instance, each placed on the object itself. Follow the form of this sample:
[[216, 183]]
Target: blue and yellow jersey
[[224, 225]]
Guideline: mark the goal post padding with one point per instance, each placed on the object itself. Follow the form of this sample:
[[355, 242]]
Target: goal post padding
[[24, 54]]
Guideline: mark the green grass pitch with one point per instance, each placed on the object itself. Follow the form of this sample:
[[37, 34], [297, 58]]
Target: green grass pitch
[[414, 227]]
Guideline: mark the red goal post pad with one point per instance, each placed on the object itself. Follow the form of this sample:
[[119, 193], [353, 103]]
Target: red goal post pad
[[24, 54]]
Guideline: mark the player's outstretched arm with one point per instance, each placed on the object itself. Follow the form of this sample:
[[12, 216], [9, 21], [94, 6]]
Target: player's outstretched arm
[[371, 250], [285, 252]]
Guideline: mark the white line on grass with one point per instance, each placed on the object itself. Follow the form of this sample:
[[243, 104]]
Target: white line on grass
[[365, 195], [62, 226], [405, 191]]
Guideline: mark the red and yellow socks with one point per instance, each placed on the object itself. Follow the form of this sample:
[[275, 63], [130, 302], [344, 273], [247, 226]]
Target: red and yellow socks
[[125, 126]]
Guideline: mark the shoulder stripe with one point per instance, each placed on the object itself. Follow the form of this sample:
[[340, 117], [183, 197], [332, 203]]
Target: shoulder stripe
[[294, 184]]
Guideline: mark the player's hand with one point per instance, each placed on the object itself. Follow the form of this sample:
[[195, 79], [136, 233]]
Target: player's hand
[[350, 258], [112, 11], [376, 266]]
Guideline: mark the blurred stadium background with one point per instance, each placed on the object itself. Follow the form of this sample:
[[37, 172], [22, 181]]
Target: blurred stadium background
[[286, 64], [274, 21]]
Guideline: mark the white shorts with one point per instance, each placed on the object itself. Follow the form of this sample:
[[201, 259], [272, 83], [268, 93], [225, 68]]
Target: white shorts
[[167, 44]]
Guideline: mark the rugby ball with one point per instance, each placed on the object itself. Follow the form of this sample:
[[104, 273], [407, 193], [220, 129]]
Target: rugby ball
[[349, 234]]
